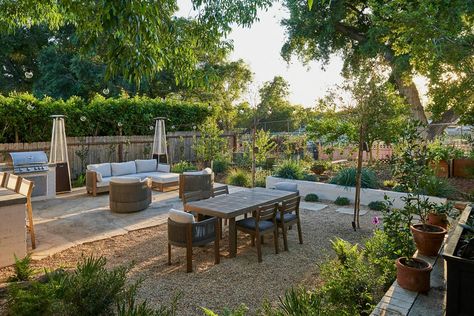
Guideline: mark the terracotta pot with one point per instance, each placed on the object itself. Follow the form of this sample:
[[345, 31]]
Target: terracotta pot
[[441, 168], [413, 275], [438, 220], [428, 241]]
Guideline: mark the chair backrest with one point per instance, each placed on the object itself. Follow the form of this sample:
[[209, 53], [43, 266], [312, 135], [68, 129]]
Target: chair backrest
[[220, 190], [266, 212], [192, 196], [196, 182], [25, 188], [13, 182], [3, 179], [291, 205], [287, 186]]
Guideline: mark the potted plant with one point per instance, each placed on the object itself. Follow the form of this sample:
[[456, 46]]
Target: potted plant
[[459, 256], [428, 238], [318, 167], [413, 274], [439, 213]]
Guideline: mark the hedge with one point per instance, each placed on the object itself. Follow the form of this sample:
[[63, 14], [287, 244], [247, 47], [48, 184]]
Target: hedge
[[24, 118]]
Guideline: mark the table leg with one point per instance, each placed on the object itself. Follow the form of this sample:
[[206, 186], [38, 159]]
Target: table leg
[[232, 238]]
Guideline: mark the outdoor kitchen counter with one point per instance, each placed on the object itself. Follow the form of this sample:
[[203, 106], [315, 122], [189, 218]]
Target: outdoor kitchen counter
[[12, 228]]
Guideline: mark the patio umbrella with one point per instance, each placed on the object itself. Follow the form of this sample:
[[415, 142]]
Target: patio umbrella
[[58, 155], [160, 150]]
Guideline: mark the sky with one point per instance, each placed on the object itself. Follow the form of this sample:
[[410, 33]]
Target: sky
[[260, 45]]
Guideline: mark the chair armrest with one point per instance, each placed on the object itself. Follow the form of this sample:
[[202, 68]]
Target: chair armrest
[[91, 178]]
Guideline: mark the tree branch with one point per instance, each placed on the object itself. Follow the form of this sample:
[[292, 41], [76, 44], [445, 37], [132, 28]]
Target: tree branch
[[350, 32]]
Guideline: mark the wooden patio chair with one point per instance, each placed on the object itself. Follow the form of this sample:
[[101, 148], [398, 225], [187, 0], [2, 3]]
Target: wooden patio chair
[[26, 188], [289, 214], [3, 179], [13, 182], [261, 224], [193, 234], [222, 190]]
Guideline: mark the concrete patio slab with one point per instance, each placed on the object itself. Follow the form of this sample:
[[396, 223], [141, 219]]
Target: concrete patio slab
[[311, 206], [75, 218]]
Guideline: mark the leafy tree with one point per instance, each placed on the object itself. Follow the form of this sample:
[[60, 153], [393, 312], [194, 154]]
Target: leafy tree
[[431, 38], [210, 143], [264, 144]]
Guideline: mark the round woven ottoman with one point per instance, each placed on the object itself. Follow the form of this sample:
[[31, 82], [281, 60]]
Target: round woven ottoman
[[127, 195]]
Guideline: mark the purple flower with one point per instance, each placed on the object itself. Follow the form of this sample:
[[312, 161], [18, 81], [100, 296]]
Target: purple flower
[[375, 220]]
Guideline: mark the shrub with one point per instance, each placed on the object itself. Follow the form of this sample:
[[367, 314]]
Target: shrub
[[90, 289], [28, 117], [434, 186], [80, 181], [320, 166], [261, 178], [342, 201], [221, 165], [380, 254], [310, 177], [290, 169], [243, 161], [347, 177], [239, 177], [377, 205], [23, 270], [183, 166], [311, 197], [389, 183]]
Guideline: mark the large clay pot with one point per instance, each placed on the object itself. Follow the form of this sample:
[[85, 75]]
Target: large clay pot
[[438, 220], [413, 274], [428, 238]]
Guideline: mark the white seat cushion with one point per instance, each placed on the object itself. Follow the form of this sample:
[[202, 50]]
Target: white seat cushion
[[163, 168], [193, 173], [207, 171], [105, 182], [146, 165], [161, 177], [122, 168], [125, 180], [103, 168], [140, 176], [181, 216]]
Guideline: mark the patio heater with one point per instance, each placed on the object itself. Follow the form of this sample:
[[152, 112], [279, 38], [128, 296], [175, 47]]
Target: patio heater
[[58, 155], [160, 150]]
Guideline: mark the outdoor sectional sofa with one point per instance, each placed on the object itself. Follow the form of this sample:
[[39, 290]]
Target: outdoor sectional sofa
[[98, 176]]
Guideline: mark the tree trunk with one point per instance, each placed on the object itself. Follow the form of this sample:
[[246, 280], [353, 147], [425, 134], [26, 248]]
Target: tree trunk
[[355, 222]]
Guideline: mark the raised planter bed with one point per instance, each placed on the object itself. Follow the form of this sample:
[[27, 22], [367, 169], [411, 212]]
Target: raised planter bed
[[330, 192], [461, 167], [460, 273]]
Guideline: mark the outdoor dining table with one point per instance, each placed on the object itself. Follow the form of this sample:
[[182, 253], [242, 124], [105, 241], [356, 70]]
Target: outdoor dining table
[[231, 205]]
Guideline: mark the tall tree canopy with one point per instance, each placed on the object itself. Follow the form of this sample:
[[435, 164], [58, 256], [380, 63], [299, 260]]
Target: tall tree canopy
[[431, 38]]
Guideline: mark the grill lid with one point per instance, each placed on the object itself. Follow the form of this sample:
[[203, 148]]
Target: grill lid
[[21, 161]]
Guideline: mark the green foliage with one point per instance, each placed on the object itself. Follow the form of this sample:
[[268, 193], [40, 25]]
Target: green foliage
[[377, 205], [320, 166], [90, 289], [311, 197], [27, 119], [438, 152], [340, 200], [239, 311], [265, 145], [347, 177], [261, 178], [290, 169], [379, 253], [434, 186], [299, 302], [23, 270], [310, 177], [243, 160], [389, 183], [183, 166], [221, 164], [80, 181], [239, 177], [210, 144]]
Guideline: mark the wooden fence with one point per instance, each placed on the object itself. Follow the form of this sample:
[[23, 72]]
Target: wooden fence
[[379, 152], [87, 150]]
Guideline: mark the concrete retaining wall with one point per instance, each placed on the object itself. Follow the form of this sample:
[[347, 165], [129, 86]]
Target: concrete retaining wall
[[330, 192]]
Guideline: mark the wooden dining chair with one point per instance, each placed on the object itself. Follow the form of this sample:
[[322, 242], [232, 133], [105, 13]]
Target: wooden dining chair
[[262, 223], [13, 182], [289, 214], [3, 179], [221, 190], [25, 188]]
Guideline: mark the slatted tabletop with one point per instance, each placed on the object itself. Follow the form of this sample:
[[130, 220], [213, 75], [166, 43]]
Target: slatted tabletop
[[238, 203]]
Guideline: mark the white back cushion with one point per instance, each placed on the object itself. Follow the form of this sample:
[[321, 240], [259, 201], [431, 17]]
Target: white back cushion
[[286, 186], [180, 216], [103, 168], [163, 167], [207, 171], [193, 173], [122, 168], [145, 165]]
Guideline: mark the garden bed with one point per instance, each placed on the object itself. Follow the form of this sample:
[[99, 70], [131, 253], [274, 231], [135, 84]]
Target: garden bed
[[331, 192]]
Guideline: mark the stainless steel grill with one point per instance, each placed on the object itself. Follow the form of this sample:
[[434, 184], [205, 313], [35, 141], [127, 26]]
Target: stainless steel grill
[[28, 162]]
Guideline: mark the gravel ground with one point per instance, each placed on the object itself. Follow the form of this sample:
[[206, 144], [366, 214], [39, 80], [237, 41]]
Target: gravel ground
[[233, 281]]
